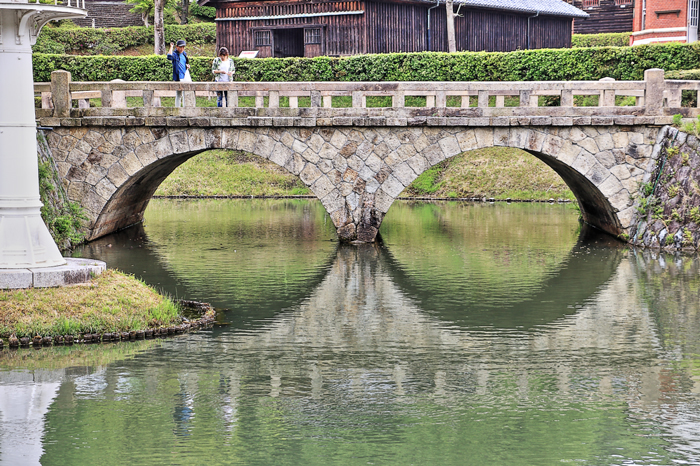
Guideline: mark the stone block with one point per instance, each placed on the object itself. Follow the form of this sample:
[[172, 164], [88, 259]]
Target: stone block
[[602, 121], [433, 154], [175, 122], [117, 175], [16, 278], [467, 140], [383, 201], [280, 154], [562, 121], [105, 189], [322, 187], [393, 186], [535, 141], [597, 174], [605, 141], [75, 271], [197, 138], [450, 146], [179, 142], [436, 121], [246, 141], [621, 172], [589, 144], [582, 121], [404, 173], [135, 121], [610, 186], [541, 121], [295, 164], [500, 121], [484, 137], [131, 164]]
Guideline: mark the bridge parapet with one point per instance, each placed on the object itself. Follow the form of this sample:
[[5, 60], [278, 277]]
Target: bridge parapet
[[655, 100]]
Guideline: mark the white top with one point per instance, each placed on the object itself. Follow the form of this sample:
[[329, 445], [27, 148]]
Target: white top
[[223, 66]]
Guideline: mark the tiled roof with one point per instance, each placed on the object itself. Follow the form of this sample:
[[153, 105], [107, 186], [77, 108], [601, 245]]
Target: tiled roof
[[544, 7]]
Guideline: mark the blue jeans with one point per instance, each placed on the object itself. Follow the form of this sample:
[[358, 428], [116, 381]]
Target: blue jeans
[[220, 98]]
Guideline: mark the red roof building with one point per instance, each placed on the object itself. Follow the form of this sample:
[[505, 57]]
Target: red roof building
[[658, 21]]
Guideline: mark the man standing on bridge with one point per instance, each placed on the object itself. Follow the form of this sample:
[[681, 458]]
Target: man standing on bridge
[[181, 66]]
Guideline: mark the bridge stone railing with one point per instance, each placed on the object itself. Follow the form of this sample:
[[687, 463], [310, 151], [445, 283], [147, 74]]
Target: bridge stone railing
[[655, 101]]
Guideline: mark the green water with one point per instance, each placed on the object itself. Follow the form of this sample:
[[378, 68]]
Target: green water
[[471, 335]]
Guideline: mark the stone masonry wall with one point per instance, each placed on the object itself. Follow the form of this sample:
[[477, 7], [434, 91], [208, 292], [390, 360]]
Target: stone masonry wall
[[668, 199], [356, 171]]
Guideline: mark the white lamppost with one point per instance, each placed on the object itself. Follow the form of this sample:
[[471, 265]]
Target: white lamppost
[[25, 242]]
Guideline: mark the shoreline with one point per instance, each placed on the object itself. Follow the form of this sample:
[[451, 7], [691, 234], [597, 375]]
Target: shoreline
[[305, 196]]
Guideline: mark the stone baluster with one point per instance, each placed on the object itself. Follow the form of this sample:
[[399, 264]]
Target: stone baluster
[[106, 97], [654, 91], [147, 98], [232, 99], [46, 100], [465, 101], [327, 101], [60, 93], [430, 100], [441, 99], [293, 101], [483, 99], [567, 98], [357, 99], [607, 96], [500, 101], [259, 99], [316, 98], [525, 98], [190, 99], [398, 100], [674, 98], [273, 99]]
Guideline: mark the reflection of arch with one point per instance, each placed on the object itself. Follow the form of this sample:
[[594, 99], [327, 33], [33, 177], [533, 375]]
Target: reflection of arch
[[576, 280], [149, 263], [356, 172]]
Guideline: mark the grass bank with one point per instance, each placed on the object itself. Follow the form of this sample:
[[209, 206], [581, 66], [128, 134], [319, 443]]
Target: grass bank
[[111, 302], [496, 172]]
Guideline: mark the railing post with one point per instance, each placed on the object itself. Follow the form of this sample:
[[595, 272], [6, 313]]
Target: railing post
[[525, 98], [232, 98], [500, 101], [273, 99], [147, 98], [441, 99], [430, 101], [357, 99], [259, 100], [293, 101], [327, 101], [607, 96], [654, 91], [46, 100], [465, 101], [106, 97], [316, 98], [483, 99], [567, 98], [398, 99], [190, 98], [60, 93]]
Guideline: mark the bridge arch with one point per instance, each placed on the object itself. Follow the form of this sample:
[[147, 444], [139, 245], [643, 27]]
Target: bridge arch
[[356, 171]]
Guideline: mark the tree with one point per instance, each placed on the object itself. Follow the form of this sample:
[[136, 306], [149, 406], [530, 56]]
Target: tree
[[185, 7], [144, 7], [451, 45], [158, 27]]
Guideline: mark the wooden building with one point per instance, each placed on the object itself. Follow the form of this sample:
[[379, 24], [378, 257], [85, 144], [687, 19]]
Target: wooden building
[[309, 28], [605, 16], [658, 21]]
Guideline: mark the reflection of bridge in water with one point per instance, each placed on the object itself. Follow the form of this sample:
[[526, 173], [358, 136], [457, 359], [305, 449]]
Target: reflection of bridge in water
[[365, 332]]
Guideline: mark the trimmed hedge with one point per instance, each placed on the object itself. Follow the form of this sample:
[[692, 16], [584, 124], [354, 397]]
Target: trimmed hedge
[[618, 39], [684, 74], [621, 63], [107, 41]]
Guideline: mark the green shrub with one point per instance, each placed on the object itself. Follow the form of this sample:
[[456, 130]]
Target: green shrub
[[621, 63], [106, 41], [203, 12], [692, 75], [618, 39]]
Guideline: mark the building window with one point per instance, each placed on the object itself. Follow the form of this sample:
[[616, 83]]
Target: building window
[[262, 38], [590, 3], [624, 2], [312, 36]]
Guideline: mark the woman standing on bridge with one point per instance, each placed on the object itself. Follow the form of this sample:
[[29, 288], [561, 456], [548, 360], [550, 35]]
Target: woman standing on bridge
[[223, 69]]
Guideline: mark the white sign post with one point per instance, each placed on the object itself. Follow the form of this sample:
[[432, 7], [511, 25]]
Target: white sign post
[[25, 242]]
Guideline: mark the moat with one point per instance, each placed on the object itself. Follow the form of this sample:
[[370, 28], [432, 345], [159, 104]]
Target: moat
[[471, 334]]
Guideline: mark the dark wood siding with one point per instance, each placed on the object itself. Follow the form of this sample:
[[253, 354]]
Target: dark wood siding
[[480, 30], [606, 17], [342, 34], [384, 27]]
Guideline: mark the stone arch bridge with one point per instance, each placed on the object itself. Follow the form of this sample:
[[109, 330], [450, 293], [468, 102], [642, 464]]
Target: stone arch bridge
[[356, 160]]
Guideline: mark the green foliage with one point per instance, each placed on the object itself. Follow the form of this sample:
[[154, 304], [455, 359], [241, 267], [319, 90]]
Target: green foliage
[[687, 237], [669, 239], [203, 12], [675, 215], [695, 215], [427, 182], [621, 63], [103, 41], [618, 39], [683, 74], [647, 189], [691, 127], [673, 190], [677, 120], [65, 223]]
